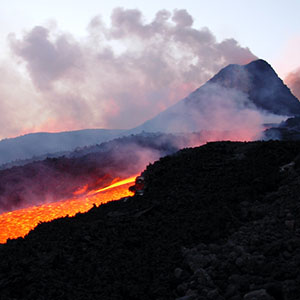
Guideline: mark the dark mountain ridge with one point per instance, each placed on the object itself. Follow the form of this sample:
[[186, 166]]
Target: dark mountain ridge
[[265, 89], [235, 90], [42, 143], [288, 130]]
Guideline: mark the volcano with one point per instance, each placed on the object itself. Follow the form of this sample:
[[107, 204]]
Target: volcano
[[219, 221], [235, 94], [262, 85], [240, 98]]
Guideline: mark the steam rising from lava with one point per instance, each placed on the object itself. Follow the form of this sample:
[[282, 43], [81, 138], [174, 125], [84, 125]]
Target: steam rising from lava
[[58, 178], [224, 113], [130, 67], [19, 223]]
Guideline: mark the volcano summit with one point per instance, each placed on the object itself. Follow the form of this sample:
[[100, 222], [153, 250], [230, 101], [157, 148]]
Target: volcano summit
[[237, 97]]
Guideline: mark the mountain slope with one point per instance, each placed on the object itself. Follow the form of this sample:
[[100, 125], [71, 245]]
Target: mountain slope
[[37, 144], [237, 97]]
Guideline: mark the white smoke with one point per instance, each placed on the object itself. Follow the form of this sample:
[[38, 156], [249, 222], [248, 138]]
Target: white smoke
[[293, 81], [118, 76]]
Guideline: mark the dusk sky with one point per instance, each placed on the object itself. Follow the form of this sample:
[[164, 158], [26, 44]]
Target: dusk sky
[[70, 65]]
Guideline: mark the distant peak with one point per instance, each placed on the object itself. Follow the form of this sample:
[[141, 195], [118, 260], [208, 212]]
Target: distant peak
[[238, 73], [259, 81], [259, 64]]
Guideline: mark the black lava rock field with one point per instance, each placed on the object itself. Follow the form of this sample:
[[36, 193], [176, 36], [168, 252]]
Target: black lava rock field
[[221, 221]]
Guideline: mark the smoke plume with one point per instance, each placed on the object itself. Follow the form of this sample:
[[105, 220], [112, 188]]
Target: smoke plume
[[293, 81], [127, 68]]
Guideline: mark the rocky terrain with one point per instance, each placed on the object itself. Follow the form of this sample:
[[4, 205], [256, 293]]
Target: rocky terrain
[[216, 222], [289, 130]]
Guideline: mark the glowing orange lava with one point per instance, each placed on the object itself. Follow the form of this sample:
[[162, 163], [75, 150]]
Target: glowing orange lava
[[19, 222]]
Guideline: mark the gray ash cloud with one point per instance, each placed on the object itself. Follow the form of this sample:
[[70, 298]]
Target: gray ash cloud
[[127, 68]]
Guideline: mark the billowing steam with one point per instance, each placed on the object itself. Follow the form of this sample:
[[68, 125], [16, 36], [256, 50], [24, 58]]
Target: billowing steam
[[293, 81], [93, 167], [224, 113], [128, 68], [118, 77]]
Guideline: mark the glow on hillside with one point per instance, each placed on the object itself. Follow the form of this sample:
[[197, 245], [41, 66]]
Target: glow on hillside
[[19, 222]]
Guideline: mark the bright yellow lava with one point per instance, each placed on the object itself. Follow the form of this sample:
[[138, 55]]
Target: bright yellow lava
[[116, 184], [19, 222]]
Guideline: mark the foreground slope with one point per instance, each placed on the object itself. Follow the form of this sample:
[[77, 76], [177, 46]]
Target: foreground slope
[[216, 222]]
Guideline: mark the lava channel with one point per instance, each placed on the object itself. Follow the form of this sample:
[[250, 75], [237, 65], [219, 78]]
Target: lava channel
[[19, 222]]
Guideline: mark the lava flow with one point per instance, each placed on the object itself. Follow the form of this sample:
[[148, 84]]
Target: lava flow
[[19, 222]]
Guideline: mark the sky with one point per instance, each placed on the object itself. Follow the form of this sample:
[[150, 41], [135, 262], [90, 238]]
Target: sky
[[70, 65]]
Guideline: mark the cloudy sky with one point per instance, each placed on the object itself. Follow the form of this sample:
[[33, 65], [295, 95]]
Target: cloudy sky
[[70, 65]]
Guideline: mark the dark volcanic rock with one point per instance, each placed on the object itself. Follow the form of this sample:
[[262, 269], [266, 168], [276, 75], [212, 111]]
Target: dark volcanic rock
[[288, 130], [196, 241]]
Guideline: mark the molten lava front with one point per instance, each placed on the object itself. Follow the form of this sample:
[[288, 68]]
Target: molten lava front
[[18, 223]]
